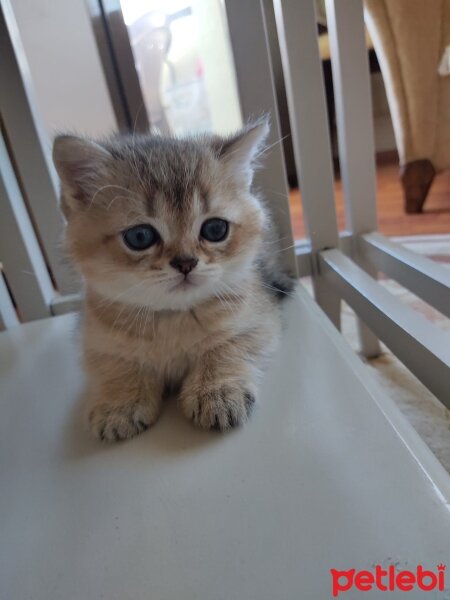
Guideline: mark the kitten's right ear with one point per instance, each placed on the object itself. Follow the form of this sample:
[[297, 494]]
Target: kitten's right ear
[[82, 165], [238, 152]]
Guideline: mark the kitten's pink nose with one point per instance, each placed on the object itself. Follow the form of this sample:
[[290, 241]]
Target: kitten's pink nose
[[184, 264]]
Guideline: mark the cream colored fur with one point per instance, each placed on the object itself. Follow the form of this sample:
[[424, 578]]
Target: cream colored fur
[[147, 328]]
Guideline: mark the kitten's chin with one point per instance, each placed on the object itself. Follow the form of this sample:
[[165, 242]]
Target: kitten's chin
[[185, 285]]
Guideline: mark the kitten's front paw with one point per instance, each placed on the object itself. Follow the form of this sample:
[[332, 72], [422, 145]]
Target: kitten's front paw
[[115, 422], [219, 408]]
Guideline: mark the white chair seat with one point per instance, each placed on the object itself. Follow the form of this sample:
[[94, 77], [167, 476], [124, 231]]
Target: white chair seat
[[326, 474]]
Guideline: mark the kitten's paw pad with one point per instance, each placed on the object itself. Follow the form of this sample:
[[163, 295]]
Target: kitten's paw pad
[[220, 408], [115, 423]]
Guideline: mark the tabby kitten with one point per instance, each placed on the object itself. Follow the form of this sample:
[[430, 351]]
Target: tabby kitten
[[171, 244]]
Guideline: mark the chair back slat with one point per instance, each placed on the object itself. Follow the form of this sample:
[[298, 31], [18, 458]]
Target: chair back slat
[[257, 96], [302, 67], [30, 147], [353, 100], [20, 253], [8, 313]]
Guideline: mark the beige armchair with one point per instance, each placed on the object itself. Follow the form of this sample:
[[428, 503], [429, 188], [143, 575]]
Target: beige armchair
[[410, 37]]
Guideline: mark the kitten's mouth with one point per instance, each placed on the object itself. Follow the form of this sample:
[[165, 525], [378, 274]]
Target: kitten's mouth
[[184, 284]]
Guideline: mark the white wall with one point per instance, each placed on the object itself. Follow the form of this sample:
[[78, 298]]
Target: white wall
[[68, 79]]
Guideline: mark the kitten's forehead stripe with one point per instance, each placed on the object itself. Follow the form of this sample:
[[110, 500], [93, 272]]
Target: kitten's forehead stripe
[[169, 167]]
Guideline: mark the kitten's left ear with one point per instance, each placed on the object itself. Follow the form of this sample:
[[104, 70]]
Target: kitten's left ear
[[239, 152], [82, 166]]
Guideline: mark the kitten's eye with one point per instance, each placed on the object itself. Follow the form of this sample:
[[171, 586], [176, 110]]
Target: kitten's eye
[[214, 230], [140, 237]]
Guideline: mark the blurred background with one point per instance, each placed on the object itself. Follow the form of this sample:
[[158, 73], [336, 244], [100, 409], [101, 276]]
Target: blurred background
[[103, 65]]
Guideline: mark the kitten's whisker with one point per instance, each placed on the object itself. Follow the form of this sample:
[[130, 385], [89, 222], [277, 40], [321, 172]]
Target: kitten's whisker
[[117, 198], [277, 290], [108, 302], [144, 326], [277, 240], [217, 295], [147, 313], [136, 321], [232, 306], [141, 321], [225, 305], [104, 187], [285, 196], [283, 249], [133, 141], [232, 302], [118, 316], [228, 305], [141, 106], [133, 318], [153, 324], [233, 291], [267, 148]]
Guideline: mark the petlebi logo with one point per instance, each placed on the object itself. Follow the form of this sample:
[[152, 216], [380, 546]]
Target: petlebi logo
[[388, 579]]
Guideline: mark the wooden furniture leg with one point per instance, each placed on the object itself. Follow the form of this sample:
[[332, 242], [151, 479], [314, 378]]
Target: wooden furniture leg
[[416, 177]]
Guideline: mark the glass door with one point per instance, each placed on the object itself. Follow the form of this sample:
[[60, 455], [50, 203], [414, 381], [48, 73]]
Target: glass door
[[180, 50]]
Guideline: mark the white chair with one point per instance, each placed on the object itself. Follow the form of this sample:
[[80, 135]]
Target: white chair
[[327, 474]]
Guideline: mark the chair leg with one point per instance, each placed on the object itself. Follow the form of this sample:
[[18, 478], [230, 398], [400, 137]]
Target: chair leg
[[416, 177]]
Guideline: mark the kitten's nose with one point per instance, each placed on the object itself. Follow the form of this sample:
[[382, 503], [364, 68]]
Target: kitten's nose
[[184, 264]]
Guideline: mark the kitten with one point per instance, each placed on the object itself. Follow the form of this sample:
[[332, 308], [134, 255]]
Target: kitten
[[181, 287]]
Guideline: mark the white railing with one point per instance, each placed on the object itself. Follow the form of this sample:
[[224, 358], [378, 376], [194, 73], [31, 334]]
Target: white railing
[[34, 273]]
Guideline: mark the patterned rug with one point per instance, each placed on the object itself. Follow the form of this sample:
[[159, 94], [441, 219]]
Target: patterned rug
[[427, 415]]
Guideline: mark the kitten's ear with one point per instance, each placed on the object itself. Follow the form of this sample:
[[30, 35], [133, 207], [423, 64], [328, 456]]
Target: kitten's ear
[[81, 165], [239, 152]]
